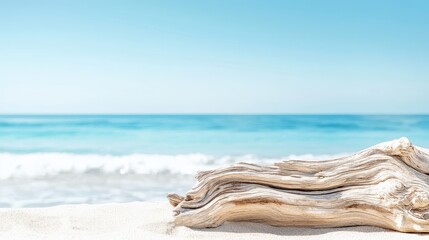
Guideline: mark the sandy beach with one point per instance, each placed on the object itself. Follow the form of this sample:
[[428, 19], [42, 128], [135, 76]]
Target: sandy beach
[[148, 220]]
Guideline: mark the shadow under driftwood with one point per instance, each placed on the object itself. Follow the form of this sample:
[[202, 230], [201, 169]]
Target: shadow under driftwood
[[248, 227]]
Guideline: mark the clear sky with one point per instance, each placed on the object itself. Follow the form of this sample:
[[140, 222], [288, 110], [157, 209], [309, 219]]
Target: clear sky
[[214, 56]]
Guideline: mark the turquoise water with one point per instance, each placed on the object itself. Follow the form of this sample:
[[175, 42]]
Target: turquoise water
[[50, 160], [262, 135]]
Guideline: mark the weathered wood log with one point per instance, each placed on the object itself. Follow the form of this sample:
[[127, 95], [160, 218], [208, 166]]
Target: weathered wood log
[[386, 186]]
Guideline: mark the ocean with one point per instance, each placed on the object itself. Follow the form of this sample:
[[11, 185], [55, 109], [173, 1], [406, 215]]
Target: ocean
[[47, 160]]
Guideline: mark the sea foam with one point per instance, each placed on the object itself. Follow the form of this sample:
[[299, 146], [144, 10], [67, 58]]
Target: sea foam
[[39, 165]]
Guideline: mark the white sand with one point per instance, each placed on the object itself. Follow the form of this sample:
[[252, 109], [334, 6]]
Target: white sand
[[152, 221]]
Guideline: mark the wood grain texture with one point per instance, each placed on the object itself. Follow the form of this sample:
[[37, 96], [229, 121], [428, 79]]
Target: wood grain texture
[[386, 186]]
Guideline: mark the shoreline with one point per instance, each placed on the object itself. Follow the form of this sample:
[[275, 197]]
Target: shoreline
[[153, 220]]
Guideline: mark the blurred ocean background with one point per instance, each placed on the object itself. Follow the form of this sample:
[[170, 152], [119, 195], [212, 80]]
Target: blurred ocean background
[[56, 159]]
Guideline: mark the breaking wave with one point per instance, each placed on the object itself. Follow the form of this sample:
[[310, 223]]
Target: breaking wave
[[39, 165]]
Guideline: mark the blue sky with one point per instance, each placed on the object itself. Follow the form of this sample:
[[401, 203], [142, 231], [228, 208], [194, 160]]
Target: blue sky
[[214, 56]]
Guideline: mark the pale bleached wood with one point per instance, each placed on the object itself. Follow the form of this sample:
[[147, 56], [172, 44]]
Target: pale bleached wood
[[386, 186]]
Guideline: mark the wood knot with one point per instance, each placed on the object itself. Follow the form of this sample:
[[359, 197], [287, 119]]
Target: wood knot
[[420, 200], [400, 147]]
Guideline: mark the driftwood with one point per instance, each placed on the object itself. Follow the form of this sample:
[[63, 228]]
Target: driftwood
[[386, 186]]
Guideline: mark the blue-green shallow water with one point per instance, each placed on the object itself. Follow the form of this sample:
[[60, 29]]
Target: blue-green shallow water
[[50, 160], [262, 135]]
